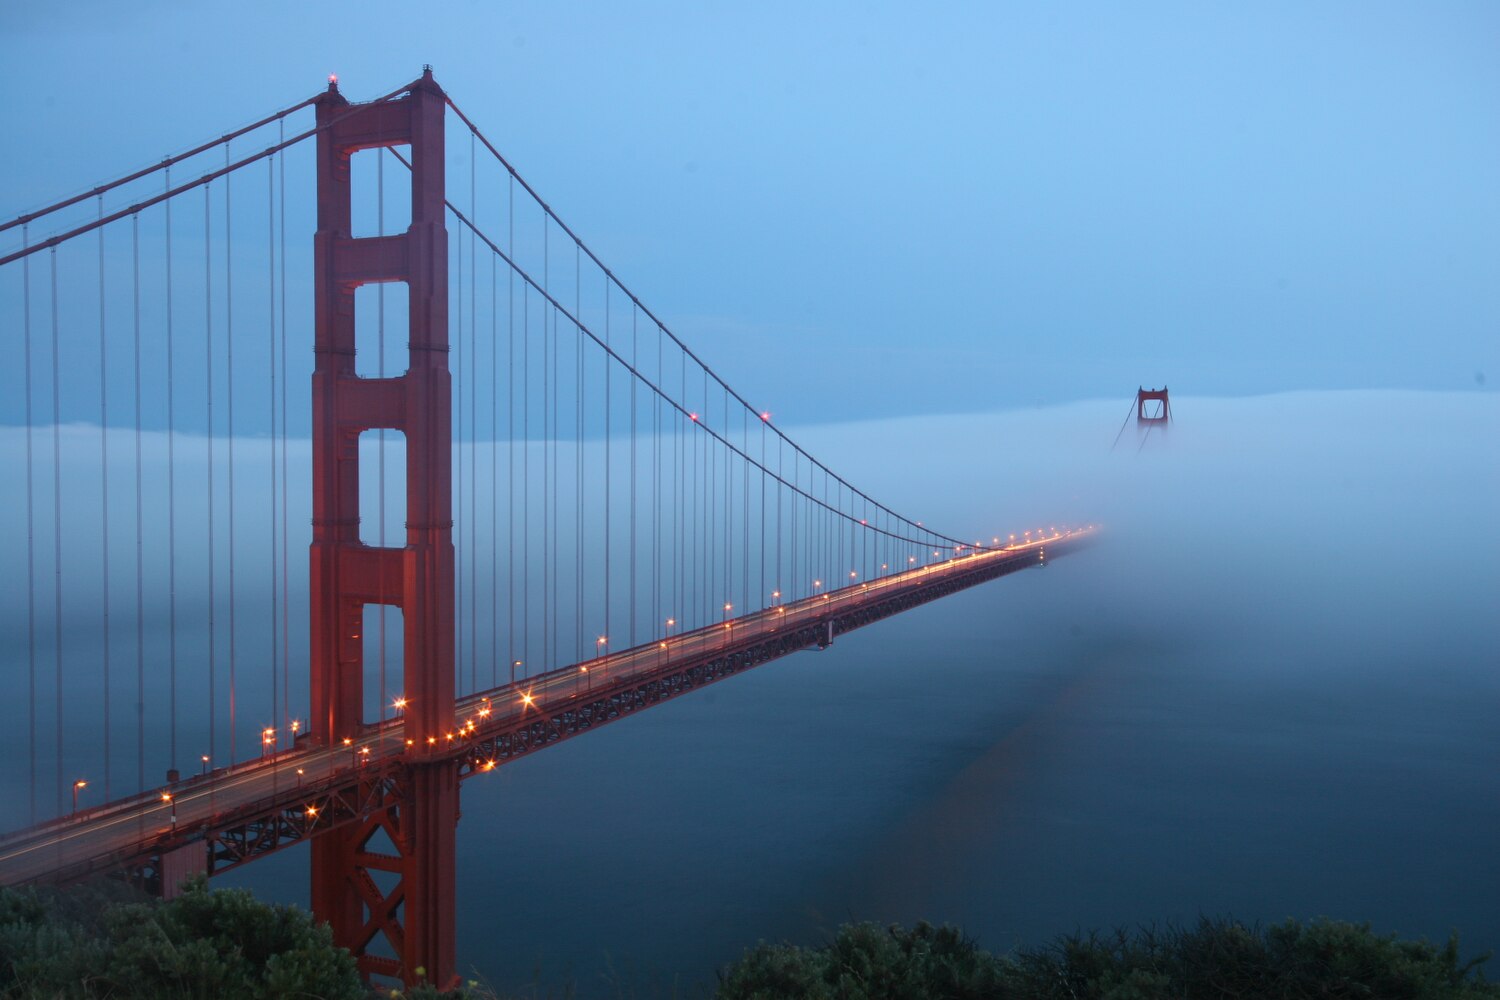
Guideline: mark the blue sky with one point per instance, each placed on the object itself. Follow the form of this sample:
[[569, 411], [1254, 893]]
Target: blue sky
[[870, 210]]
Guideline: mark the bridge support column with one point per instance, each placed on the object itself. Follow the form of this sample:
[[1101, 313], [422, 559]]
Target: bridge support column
[[411, 836]]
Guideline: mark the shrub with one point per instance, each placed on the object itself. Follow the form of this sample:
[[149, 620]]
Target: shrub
[[1216, 958], [203, 944]]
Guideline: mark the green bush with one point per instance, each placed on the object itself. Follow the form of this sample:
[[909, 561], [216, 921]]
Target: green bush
[[1216, 958], [203, 944]]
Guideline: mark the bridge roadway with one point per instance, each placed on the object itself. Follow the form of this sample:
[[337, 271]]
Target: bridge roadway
[[261, 805]]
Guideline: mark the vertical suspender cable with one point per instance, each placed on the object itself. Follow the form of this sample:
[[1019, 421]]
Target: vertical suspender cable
[[140, 526], [634, 363], [728, 511], [780, 490], [556, 616], [608, 448], [546, 450], [30, 538], [745, 516], [286, 590], [680, 578], [171, 500], [510, 436], [229, 432], [104, 507], [656, 484], [554, 480], [57, 536], [578, 468], [526, 478], [494, 471], [764, 596], [271, 368], [208, 439], [473, 433]]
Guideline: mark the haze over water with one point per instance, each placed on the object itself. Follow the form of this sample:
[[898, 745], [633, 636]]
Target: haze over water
[[1269, 691]]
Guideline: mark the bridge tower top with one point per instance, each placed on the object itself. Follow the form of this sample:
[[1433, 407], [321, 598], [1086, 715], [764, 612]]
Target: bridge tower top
[[1148, 416]]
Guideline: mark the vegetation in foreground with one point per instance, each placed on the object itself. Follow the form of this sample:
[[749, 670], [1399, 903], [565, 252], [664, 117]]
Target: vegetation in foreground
[[1216, 959], [102, 942]]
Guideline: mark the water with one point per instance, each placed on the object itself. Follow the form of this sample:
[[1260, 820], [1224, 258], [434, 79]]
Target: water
[[1270, 691]]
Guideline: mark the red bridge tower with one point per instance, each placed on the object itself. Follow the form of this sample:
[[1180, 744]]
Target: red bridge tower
[[1156, 415], [416, 915]]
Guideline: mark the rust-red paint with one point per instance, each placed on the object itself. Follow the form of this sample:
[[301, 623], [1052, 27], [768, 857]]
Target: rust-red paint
[[417, 917], [1144, 396]]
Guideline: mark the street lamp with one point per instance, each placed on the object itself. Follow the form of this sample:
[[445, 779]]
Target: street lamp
[[267, 741], [204, 759], [172, 803], [78, 786]]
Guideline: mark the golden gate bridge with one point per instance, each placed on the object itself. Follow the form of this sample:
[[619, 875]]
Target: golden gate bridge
[[545, 514]]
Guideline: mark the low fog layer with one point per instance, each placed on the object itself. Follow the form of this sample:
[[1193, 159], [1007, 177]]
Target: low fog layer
[[1269, 689]]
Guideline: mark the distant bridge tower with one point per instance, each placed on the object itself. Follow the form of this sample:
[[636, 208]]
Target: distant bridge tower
[[1152, 416], [408, 831]]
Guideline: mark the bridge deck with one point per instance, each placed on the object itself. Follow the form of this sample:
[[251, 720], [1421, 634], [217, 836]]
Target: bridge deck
[[259, 806]]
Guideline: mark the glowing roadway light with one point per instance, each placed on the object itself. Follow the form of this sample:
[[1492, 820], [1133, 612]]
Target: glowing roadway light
[[527, 700], [399, 704], [172, 804], [296, 727], [852, 574], [78, 786], [300, 773], [766, 415], [775, 595], [693, 417], [204, 759], [312, 812]]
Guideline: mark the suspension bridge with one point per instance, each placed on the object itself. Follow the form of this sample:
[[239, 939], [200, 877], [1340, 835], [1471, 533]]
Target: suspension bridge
[[530, 510]]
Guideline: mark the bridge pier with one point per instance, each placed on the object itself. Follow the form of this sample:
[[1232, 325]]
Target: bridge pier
[[403, 930]]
